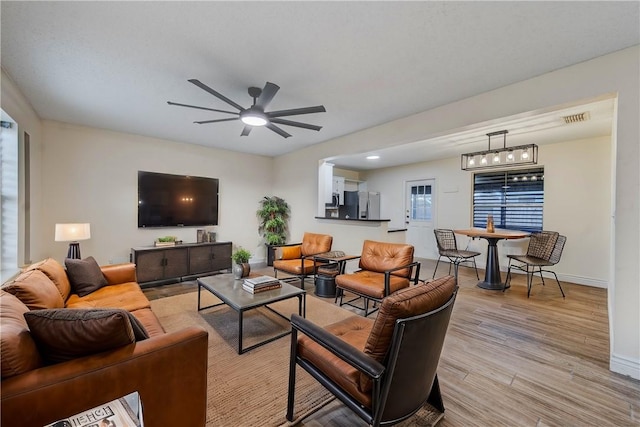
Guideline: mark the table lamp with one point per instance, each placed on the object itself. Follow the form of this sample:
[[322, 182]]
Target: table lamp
[[72, 233]]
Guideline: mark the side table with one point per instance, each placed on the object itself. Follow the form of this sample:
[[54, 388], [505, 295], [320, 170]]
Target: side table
[[333, 263]]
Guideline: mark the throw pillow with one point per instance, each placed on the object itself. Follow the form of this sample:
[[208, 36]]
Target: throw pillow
[[18, 351], [85, 275], [35, 290], [288, 252], [66, 334]]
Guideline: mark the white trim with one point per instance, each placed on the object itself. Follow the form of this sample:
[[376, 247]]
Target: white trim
[[625, 366], [571, 278], [581, 280]]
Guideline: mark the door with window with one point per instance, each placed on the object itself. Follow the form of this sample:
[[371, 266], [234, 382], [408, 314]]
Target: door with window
[[419, 216]]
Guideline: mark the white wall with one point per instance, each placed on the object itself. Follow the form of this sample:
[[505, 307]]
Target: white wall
[[91, 175], [577, 204], [616, 73]]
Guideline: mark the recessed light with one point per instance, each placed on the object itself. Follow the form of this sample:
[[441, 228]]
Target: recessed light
[[374, 157]]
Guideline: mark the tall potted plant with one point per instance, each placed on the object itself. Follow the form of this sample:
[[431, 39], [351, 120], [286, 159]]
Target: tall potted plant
[[273, 215]]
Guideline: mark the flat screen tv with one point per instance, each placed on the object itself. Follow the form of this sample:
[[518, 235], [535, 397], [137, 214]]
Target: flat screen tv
[[166, 200]]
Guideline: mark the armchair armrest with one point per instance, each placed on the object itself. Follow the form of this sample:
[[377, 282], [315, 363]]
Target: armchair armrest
[[335, 345], [387, 274]]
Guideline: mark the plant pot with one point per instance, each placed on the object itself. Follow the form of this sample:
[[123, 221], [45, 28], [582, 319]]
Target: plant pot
[[241, 270]]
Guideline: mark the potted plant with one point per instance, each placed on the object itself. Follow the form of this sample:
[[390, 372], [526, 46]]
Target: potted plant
[[241, 267], [274, 217]]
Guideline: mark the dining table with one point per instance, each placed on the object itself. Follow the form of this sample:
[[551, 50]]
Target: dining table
[[492, 278]]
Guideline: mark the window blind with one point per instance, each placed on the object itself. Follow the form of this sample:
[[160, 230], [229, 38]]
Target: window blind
[[515, 199]]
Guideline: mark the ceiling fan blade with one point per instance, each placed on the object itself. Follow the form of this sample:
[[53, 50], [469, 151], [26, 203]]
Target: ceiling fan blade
[[296, 124], [277, 130], [217, 120], [201, 108], [296, 111], [269, 91], [216, 94], [246, 130]]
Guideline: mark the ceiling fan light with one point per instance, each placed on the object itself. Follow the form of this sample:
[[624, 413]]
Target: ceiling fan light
[[253, 118]]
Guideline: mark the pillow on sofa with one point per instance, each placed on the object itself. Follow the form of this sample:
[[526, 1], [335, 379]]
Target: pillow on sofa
[[85, 275], [54, 271], [66, 334], [35, 290], [19, 353]]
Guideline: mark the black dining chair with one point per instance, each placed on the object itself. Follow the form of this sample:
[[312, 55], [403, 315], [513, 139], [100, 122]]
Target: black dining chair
[[448, 248], [545, 250]]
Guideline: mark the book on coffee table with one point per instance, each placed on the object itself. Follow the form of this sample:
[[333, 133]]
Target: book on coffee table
[[261, 288], [260, 281]]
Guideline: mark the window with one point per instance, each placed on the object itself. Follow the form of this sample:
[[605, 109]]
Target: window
[[515, 199], [421, 203], [8, 197]]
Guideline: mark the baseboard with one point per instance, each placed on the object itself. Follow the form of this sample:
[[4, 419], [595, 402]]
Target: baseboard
[[581, 280], [571, 278], [625, 366]]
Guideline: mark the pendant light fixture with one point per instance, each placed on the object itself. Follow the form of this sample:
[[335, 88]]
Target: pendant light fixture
[[500, 157]]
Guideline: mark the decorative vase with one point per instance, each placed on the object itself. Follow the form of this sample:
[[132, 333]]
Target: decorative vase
[[241, 270], [490, 228]]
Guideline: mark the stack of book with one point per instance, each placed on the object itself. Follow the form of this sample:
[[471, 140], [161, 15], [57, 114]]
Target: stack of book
[[260, 284]]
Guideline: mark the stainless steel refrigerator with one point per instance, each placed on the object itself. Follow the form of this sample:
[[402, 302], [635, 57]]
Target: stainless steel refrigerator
[[369, 205]]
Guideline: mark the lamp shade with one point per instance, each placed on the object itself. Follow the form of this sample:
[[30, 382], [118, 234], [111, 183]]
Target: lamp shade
[[72, 232]]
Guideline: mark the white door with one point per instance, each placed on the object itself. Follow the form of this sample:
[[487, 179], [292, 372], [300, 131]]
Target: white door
[[419, 212]]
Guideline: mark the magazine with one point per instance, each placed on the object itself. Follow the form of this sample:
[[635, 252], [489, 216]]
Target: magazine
[[123, 412]]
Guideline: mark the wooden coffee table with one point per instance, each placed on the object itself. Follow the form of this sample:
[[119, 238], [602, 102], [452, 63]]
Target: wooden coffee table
[[231, 293]]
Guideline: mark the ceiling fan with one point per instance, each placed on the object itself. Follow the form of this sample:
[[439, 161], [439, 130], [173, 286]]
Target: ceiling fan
[[255, 115]]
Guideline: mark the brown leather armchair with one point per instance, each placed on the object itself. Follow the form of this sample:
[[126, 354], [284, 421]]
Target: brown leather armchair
[[384, 370], [385, 268], [297, 259]]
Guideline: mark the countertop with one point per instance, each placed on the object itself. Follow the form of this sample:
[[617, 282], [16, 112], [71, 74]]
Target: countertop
[[353, 219]]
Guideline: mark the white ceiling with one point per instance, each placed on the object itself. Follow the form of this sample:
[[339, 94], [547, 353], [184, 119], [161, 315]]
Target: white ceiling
[[115, 65]]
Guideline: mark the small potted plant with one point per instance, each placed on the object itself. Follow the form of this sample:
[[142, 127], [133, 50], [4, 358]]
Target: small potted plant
[[165, 241], [241, 267]]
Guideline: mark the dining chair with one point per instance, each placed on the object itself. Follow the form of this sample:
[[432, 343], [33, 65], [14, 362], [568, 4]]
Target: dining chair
[[448, 248], [544, 250]]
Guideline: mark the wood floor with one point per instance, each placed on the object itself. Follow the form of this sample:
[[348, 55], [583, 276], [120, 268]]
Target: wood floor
[[513, 361]]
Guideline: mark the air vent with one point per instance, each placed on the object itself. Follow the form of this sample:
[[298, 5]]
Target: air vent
[[575, 118]]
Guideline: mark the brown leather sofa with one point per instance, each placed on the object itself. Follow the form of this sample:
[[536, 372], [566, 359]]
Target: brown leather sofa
[[168, 370]]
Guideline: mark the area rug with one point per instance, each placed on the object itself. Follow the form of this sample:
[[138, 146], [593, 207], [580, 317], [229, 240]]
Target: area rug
[[251, 389]]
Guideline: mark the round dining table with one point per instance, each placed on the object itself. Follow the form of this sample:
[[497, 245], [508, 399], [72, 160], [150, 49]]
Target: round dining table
[[492, 279]]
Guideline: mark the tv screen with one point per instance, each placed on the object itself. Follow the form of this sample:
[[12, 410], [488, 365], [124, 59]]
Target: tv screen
[[166, 200]]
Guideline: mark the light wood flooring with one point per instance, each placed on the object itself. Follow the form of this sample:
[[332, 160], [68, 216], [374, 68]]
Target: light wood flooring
[[513, 361]]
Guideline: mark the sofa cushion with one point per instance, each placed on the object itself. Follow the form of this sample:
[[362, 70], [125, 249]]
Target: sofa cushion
[[18, 351], [54, 271], [149, 321], [128, 296], [405, 303], [66, 334], [85, 275], [35, 290]]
